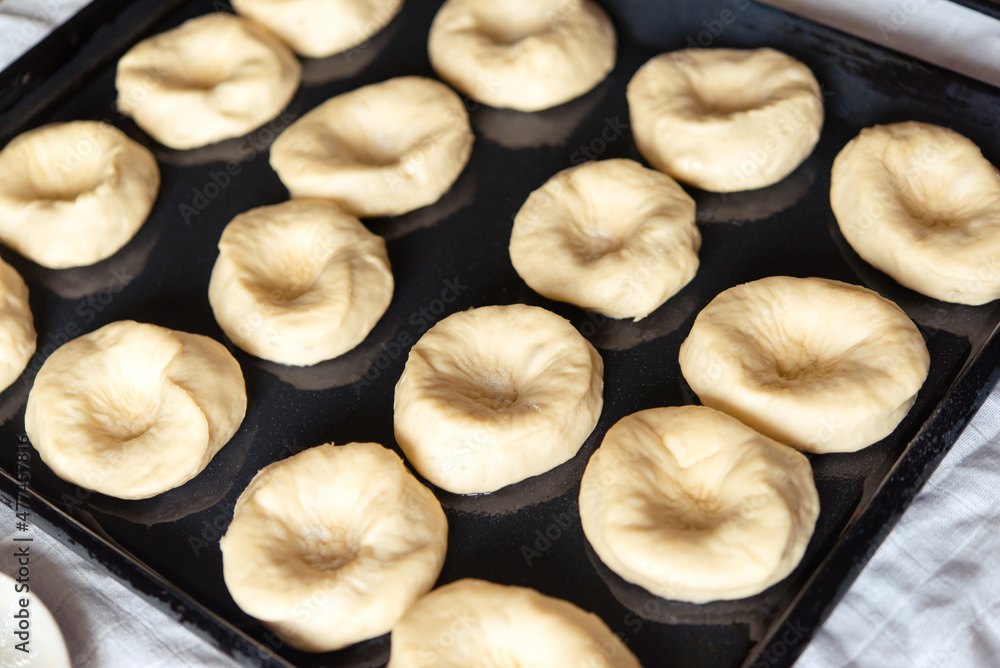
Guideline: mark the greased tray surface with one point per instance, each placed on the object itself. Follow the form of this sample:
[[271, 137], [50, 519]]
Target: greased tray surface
[[453, 256]]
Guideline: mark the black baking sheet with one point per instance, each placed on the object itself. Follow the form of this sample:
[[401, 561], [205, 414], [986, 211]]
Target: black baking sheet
[[452, 256]]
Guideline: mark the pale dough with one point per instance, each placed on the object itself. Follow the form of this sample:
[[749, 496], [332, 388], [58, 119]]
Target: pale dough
[[725, 119], [299, 282], [214, 77], [132, 410], [610, 236], [380, 150], [320, 28], [477, 623], [818, 364], [693, 505], [41, 644], [333, 545], [922, 204], [497, 394], [523, 54], [72, 194], [17, 327]]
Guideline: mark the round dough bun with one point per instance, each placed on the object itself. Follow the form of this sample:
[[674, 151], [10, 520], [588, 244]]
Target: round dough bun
[[17, 327], [320, 28], [725, 119], [214, 77], [380, 150], [132, 410], [333, 545], [610, 236], [72, 194], [693, 505], [922, 204], [477, 623], [526, 54], [299, 282], [494, 395], [818, 364]]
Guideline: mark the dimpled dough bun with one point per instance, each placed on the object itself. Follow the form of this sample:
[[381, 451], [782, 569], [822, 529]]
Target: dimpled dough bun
[[72, 194], [693, 505], [17, 328], [380, 150], [922, 204], [522, 54], [477, 623], [132, 410], [319, 28], [214, 77], [299, 282], [725, 119], [497, 394], [818, 364], [332, 546], [610, 236]]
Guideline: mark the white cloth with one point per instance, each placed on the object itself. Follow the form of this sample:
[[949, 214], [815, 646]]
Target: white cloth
[[23, 23], [930, 596], [104, 624], [938, 31]]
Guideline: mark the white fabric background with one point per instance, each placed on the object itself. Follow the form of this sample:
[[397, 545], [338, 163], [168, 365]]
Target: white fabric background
[[929, 597], [104, 624], [939, 31], [23, 23]]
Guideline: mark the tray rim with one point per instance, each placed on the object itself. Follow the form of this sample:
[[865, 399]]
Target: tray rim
[[816, 600], [140, 579]]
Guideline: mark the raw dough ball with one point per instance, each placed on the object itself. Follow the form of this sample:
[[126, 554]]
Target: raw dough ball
[[477, 623], [818, 364], [524, 54], [695, 506], [299, 282], [214, 77], [611, 236], [725, 119], [17, 328], [319, 28], [497, 394], [72, 194], [331, 546], [922, 204], [380, 150], [132, 410]]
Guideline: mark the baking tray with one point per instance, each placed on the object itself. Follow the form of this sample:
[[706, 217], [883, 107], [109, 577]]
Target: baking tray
[[452, 256]]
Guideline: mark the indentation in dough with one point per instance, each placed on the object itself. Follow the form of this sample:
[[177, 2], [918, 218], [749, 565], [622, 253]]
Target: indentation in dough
[[494, 395], [821, 365], [327, 548]]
